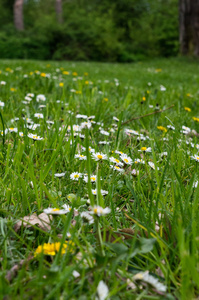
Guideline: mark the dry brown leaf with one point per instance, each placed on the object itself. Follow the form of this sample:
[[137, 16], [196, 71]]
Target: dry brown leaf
[[42, 220]]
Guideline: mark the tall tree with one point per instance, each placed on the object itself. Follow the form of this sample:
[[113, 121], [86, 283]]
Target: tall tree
[[189, 26], [18, 14], [58, 8]]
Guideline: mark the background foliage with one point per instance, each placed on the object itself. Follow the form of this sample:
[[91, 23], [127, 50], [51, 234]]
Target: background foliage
[[98, 30]]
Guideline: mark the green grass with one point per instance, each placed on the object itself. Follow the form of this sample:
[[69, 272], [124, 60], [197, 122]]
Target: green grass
[[153, 220]]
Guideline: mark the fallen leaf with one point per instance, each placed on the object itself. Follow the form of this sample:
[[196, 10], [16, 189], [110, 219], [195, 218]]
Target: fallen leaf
[[42, 220]]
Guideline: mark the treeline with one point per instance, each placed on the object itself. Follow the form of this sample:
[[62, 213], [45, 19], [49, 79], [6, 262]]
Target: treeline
[[99, 30]]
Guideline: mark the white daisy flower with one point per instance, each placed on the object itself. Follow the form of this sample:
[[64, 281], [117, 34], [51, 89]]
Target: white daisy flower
[[139, 161], [55, 211], [115, 119], [75, 176], [75, 274], [171, 127], [119, 152], [116, 168], [104, 132], [116, 161], [102, 291], [91, 117], [131, 131], [50, 122], [13, 129], [39, 116], [103, 192], [126, 159], [99, 211], [78, 116], [30, 95], [145, 149], [195, 157], [42, 106], [34, 137], [2, 82], [59, 174], [87, 217], [103, 143], [162, 88], [2, 104], [86, 125], [163, 154], [135, 172], [146, 277], [21, 134], [81, 157], [93, 178], [66, 207], [99, 156], [195, 184], [40, 98], [28, 98], [152, 165]]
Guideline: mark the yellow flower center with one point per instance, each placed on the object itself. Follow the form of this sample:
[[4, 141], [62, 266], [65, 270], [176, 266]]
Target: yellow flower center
[[76, 176], [117, 160], [143, 148], [125, 159], [95, 210], [99, 156], [55, 209]]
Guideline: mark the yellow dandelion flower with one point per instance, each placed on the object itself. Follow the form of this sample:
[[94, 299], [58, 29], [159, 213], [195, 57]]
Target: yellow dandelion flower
[[53, 248], [195, 119], [105, 99], [162, 128], [143, 98], [43, 74], [13, 89], [187, 109], [75, 74], [65, 72], [61, 84]]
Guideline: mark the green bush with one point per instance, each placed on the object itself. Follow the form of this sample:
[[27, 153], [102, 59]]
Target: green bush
[[123, 31]]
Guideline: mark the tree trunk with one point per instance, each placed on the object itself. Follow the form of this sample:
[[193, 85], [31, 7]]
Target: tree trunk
[[58, 8], [189, 26], [185, 25], [18, 15], [195, 25]]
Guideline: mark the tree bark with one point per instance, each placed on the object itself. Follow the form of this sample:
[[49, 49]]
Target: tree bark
[[189, 26], [195, 25], [18, 15], [185, 25], [59, 13]]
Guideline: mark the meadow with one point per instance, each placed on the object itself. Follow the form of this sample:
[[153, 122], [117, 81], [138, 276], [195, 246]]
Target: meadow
[[99, 180]]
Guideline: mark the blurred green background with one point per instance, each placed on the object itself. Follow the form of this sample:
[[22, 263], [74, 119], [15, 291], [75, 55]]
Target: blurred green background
[[91, 30]]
